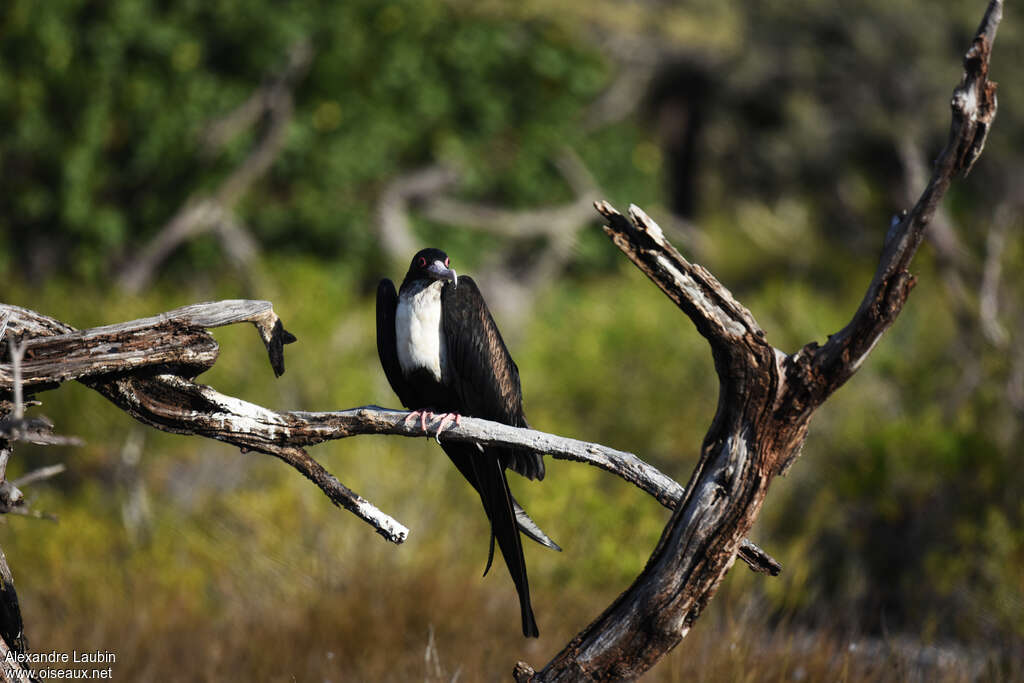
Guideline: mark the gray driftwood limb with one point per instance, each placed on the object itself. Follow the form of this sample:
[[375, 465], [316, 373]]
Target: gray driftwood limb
[[765, 405], [146, 389]]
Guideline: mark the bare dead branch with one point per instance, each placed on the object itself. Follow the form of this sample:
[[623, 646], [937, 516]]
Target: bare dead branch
[[37, 430], [12, 635], [16, 350], [974, 108], [176, 339], [393, 206], [508, 223], [101, 351], [221, 131], [40, 474], [15, 427], [423, 190], [711, 307], [215, 212], [765, 405], [513, 285], [175, 404], [992, 270]]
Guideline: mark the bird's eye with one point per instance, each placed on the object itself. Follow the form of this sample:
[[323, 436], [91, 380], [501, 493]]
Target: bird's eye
[[445, 261], [423, 262]]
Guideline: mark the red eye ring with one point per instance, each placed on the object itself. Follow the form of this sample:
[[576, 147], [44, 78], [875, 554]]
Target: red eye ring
[[423, 262]]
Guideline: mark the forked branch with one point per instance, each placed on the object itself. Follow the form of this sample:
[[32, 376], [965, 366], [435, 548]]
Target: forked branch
[[765, 405]]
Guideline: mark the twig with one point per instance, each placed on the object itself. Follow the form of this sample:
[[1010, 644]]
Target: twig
[[988, 308], [16, 349], [392, 222], [34, 514], [39, 475]]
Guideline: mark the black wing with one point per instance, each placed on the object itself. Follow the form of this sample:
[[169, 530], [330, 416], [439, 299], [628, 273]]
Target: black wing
[[484, 375], [387, 342], [486, 381]]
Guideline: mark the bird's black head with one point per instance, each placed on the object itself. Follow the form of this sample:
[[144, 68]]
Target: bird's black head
[[430, 264]]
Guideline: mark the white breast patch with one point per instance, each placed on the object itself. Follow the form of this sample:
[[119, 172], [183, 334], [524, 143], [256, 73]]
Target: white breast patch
[[420, 339]]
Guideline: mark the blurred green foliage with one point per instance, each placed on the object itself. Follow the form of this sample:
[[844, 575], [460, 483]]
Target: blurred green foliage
[[904, 514], [104, 106]]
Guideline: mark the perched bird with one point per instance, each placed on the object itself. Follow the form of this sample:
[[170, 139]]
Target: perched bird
[[442, 353]]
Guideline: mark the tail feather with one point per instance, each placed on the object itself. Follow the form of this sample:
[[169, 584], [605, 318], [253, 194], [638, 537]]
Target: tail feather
[[530, 528], [487, 475], [462, 456]]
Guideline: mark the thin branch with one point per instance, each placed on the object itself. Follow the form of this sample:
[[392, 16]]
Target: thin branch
[[988, 308], [215, 212], [22, 511], [513, 284], [221, 131], [40, 474], [424, 188], [37, 430], [974, 109]]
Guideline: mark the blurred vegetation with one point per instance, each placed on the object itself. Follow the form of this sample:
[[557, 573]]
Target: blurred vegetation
[[192, 561]]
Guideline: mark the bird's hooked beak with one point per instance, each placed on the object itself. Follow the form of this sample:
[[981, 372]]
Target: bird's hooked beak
[[439, 271]]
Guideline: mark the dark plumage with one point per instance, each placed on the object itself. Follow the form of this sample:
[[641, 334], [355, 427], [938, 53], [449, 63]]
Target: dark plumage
[[442, 353]]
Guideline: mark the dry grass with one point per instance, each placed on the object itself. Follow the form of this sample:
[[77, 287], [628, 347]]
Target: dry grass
[[434, 626]]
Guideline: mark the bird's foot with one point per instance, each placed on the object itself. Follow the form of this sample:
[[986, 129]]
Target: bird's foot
[[446, 420], [422, 416]]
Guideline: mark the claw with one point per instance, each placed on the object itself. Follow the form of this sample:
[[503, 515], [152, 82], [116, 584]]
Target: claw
[[446, 421], [411, 417], [423, 419]]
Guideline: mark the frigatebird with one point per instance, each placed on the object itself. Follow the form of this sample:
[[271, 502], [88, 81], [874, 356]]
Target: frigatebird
[[442, 353]]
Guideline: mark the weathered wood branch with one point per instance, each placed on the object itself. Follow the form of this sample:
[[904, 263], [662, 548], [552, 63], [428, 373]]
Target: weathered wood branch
[[14, 426], [765, 404], [12, 629], [713, 309], [101, 351], [173, 403], [974, 107]]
